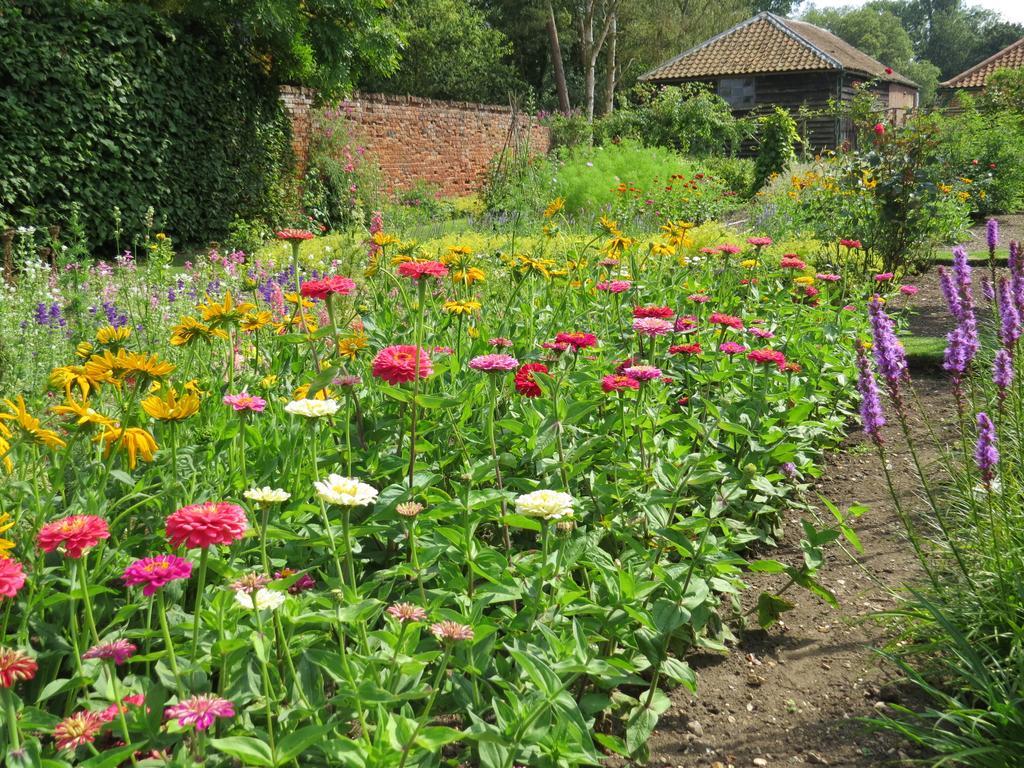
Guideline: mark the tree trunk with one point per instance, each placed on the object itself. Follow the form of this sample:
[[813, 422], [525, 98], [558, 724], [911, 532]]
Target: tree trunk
[[556, 60], [609, 88]]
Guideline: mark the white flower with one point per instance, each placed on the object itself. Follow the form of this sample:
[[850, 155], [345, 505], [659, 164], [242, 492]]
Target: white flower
[[264, 598], [550, 505], [267, 495], [312, 408], [346, 491]]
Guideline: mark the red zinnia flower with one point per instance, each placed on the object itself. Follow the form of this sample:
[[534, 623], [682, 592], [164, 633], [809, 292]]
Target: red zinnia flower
[[790, 261], [730, 321], [577, 339], [759, 242], [15, 666], [665, 313], [615, 382], [731, 348], [684, 349], [419, 269], [294, 234], [767, 356], [402, 363], [76, 533], [879, 129], [852, 244], [201, 525], [12, 577], [321, 289], [526, 385]]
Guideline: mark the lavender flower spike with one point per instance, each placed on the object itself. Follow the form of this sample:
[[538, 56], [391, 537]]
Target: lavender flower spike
[[962, 272], [950, 293], [992, 234], [988, 290], [1009, 317], [1002, 372], [955, 360], [1013, 261], [986, 456], [871, 415], [888, 351]]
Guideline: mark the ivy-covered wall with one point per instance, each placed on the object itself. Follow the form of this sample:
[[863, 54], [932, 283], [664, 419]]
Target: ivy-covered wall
[[109, 104]]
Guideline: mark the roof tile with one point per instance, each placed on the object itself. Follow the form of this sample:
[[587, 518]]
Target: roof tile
[[1011, 57]]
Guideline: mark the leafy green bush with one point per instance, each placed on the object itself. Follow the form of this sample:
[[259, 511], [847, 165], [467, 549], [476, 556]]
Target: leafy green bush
[[572, 130], [737, 173], [776, 136], [113, 105]]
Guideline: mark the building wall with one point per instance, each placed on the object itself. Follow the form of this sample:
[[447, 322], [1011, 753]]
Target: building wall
[[447, 143]]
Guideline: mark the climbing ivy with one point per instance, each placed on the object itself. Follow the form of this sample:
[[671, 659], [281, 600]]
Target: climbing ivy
[[776, 135]]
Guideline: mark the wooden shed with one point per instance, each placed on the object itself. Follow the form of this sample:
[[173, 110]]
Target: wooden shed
[[768, 60]]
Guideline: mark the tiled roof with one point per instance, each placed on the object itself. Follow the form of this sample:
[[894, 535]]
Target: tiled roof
[[767, 44], [1011, 57]]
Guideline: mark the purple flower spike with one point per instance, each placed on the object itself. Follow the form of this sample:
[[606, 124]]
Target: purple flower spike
[[986, 456], [988, 290], [889, 355], [962, 271], [871, 415], [1013, 261], [1009, 316], [956, 358], [950, 293], [1002, 372], [992, 234]]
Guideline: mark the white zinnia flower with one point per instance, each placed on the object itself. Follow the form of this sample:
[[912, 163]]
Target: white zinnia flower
[[312, 408], [267, 495], [346, 491], [264, 598], [550, 505]]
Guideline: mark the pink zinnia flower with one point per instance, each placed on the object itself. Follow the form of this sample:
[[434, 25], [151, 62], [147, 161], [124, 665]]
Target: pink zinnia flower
[[731, 348], [827, 277], [500, 341], [709, 251], [294, 234], [909, 290], [652, 326], [245, 402], [557, 346], [134, 699], [402, 363], [443, 351], [664, 313], [577, 339], [201, 525], [767, 356], [303, 584], [883, 277], [200, 711], [700, 298], [407, 612], [420, 269], [684, 349], [15, 666], [730, 321], [761, 333], [118, 651], [851, 244], [155, 572], [731, 249], [791, 261], [494, 363], [615, 286], [685, 323], [642, 372], [759, 242], [78, 729], [616, 382], [76, 534], [321, 289], [526, 385], [451, 631], [12, 577]]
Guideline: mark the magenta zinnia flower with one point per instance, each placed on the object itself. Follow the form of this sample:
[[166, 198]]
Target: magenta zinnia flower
[[12, 577], [245, 402], [772, 356], [200, 711], [117, 651], [642, 372], [155, 572], [577, 339], [198, 526], [652, 326], [616, 382], [663, 313], [76, 534], [402, 363], [729, 321], [321, 289], [759, 242], [731, 348], [420, 269], [615, 286], [494, 363]]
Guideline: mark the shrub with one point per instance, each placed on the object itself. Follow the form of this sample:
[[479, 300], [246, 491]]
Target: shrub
[[737, 173], [776, 136], [571, 131]]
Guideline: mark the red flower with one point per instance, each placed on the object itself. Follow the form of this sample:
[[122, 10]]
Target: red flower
[[730, 321], [294, 235], [15, 666], [76, 533], [851, 244], [616, 382], [879, 129], [767, 356], [888, 70], [321, 289], [790, 261], [663, 313], [77, 729], [201, 525], [684, 349], [526, 385], [402, 363], [419, 269], [12, 577], [577, 339]]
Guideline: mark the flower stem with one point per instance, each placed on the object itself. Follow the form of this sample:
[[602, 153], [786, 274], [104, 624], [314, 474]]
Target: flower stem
[[161, 609], [198, 605], [11, 716]]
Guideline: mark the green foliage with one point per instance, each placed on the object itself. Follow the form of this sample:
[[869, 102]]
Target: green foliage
[[573, 130], [776, 137], [1004, 91], [449, 52], [112, 105], [737, 173]]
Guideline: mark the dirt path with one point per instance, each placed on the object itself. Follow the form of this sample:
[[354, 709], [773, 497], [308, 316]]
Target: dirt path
[[794, 695]]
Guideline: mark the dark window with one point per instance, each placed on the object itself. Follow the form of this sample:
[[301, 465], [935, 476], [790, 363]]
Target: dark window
[[738, 92]]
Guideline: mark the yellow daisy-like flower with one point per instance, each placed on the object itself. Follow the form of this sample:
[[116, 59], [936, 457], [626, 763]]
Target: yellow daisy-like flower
[[804, 280], [268, 381], [124, 365], [84, 350], [68, 376], [302, 393], [189, 329], [84, 414], [350, 346], [527, 265], [456, 256], [466, 307], [5, 448], [225, 312], [469, 276], [134, 441], [473, 332], [617, 244], [192, 386], [253, 321], [6, 545], [554, 207], [169, 406], [748, 263], [111, 336], [609, 226], [659, 248], [29, 426], [293, 298], [382, 239]]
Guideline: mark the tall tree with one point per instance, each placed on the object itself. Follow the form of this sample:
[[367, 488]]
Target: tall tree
[[561, 87], [594, 18]]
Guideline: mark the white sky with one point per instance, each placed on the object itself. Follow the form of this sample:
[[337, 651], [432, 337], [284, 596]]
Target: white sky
[[1011, 10]]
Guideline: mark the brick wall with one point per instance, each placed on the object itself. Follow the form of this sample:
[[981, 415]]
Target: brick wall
[[448, 143]]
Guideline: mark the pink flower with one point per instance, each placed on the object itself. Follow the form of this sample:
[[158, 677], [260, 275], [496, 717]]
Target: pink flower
[[76, 533], [663, 313], [78, 729], [118, 651], [407, 612], [884, 277], [732, 250], [851, 244], [420, 269], [652, 326], [642, 372], [110, 713], [402, 363], [557, 346], [827, 277], [700, 298], [685, 323], [201, 525], [494, 363], [156, 572], [321, 289], [684, 349], [909, 290], [761, 333], [451, 631], [245, 402], [15, 666], [731, 348], [879, 129], [294, 235], [577, 339], [200, 711], [729, 321], [12, 577], [790, 261], [500, 341], [767, 356], [304, 583], [615, 286], [616, 382], [759, 242]]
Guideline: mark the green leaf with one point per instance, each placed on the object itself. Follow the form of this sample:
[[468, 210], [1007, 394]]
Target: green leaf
[[245, 748], [520, 521], [111, 758], [294, 744], [436, 736], [767, 566], [770, 607]]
